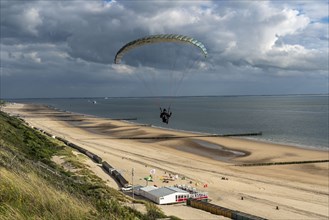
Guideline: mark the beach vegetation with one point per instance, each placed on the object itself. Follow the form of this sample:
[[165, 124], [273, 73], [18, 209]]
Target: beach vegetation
[[32, 186]]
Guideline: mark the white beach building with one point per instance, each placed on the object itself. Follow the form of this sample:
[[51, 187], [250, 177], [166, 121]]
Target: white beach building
[[163, 195]]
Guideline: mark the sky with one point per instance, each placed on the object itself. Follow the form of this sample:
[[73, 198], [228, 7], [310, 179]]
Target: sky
[[66, 48]]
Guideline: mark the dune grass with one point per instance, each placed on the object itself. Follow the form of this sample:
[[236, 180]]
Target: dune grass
[[32, 186], [28, 196]]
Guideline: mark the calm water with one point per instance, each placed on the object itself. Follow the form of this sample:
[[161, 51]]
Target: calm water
[[296, 120]]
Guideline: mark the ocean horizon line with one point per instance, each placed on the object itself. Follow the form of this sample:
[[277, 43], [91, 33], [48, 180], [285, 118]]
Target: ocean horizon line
[[181, 96]]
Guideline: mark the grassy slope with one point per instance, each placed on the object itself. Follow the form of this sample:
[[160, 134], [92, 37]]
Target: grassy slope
[[33, 187]]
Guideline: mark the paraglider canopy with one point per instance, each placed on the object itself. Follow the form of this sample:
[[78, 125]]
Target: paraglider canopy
[[160, 38]]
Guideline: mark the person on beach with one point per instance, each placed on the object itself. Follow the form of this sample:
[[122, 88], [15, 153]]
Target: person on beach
[[164, 115]]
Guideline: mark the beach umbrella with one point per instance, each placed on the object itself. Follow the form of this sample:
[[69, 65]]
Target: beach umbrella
[[148, 178]]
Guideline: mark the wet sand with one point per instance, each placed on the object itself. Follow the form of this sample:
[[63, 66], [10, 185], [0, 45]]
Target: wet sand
[[301, 191]]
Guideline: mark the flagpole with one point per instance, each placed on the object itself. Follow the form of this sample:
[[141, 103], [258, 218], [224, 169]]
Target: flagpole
[[132, 182]]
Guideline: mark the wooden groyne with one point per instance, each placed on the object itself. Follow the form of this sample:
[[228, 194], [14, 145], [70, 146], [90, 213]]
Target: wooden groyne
[[281, 163], [193, 136], [243, 134], [123, 119], [220, 210]]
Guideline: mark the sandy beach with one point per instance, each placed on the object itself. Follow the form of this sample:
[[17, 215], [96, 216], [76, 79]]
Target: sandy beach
[[301, 191]]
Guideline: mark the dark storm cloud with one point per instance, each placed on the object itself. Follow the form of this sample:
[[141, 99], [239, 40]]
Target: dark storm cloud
[[66, 48]]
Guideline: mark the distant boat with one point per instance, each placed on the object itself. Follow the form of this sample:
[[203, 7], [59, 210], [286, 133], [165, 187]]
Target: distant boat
[[94, 102], [106, 98]]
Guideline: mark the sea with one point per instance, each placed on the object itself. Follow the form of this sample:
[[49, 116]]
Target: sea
[[297, 120]]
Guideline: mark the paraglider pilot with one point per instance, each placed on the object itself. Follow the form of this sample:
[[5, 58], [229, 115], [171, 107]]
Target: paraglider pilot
[[164, 115]]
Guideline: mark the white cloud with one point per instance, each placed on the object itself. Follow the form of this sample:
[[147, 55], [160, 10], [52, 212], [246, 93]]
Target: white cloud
[[171, 19], [31, 20], [244, 39], [123, 69], [34, 56]]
